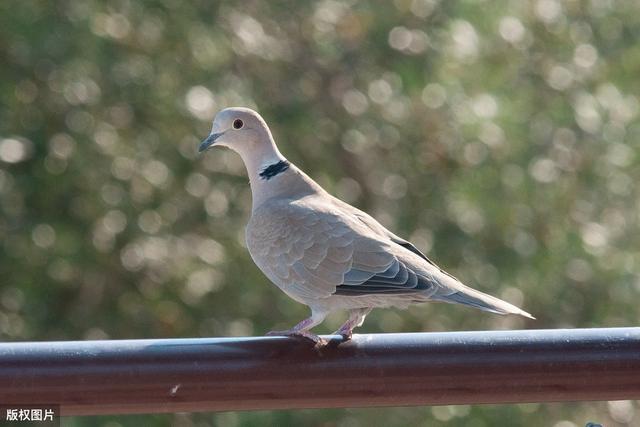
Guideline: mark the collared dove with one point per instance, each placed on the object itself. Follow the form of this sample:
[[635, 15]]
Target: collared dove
[[323, 252]]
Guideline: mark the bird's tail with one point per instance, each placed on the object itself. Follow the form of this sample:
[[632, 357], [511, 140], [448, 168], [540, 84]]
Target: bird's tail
[[466, 296]]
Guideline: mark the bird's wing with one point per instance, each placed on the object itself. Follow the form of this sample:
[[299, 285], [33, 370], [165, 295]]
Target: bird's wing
[[314, 249], [447, 288], [381, 231]]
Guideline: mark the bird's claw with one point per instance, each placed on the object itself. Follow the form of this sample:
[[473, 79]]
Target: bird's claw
[[345, 333], [299, 334]]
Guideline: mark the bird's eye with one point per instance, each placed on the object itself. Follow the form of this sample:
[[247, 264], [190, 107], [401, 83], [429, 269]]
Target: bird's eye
[[237, 124]]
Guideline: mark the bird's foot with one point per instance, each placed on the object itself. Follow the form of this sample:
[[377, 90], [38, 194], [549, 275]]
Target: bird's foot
[[356, 317], [346, 333], [299, 334]]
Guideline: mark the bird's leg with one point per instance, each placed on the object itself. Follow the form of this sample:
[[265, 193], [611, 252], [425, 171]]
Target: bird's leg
[[302, 329], [356, 318]]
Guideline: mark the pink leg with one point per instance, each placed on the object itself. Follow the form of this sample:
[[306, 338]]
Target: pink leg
[[302, 329], [356, 318]]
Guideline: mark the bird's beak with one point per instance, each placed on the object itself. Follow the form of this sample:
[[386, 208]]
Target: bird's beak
[[211, 139]]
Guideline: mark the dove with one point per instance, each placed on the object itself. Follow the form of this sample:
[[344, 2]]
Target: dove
[[323, 252]]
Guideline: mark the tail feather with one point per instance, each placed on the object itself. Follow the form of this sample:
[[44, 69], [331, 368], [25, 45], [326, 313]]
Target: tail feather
[[481, 301]]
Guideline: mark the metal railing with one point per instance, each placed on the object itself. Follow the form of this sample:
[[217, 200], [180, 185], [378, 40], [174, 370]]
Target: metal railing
[[215, 374]]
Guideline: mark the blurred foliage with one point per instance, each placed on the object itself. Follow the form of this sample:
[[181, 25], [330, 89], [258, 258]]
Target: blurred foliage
[[501, 137]]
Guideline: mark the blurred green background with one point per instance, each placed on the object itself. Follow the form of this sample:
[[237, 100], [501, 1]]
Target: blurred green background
[[502, 138]]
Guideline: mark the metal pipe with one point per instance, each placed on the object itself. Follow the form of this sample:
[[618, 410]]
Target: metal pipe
[[217, 374]]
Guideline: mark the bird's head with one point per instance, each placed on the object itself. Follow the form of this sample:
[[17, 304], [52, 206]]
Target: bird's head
[[240, 129]]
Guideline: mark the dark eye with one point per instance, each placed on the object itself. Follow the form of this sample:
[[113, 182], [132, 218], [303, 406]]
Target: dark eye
[[237, 124]]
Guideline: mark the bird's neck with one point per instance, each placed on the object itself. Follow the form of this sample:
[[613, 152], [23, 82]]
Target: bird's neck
[[264, 164], [261, 163], [272, 175]]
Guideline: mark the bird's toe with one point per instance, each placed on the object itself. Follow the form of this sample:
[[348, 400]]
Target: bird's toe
[[346, 334]]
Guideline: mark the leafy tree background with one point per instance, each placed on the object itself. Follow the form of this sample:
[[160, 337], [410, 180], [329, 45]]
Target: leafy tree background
[[502, 137]]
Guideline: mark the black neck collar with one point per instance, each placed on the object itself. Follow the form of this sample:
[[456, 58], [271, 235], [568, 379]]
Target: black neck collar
[[274, 169]]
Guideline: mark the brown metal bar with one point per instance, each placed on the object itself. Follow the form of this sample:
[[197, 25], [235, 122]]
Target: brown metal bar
[[215, 374]]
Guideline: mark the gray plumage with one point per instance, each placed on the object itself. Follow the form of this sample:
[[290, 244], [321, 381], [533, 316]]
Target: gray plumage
[[323, 252]]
